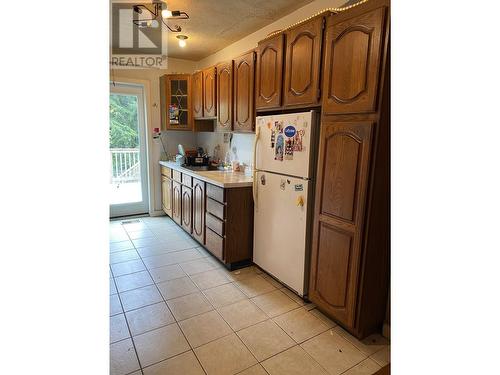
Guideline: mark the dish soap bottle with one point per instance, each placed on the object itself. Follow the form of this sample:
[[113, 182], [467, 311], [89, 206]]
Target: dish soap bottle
[[227, 160]]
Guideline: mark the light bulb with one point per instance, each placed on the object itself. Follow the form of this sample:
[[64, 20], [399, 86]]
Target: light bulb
[[153, 23], [165, 13], [182, 43]]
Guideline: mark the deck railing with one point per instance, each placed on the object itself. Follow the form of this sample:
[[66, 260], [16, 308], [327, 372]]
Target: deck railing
[[125, 166]]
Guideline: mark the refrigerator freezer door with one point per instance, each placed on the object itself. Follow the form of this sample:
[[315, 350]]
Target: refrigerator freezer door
[[284, 143], [280, 227]]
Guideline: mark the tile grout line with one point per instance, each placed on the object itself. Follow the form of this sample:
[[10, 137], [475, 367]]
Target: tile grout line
[[272, 319], [128, 327], [165, 265], [269, 318], [175, 319], [233, 281], [229, 334]]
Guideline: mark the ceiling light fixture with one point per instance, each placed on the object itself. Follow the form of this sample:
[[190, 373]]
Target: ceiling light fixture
[[165, 13], [160, 13], [182, 40]]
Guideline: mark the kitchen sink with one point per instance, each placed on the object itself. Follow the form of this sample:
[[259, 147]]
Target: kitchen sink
[[200, 167]]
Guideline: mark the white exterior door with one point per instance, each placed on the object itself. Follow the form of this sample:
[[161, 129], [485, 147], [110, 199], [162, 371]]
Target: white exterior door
[[284, 143], [128, 151], [280, 227]]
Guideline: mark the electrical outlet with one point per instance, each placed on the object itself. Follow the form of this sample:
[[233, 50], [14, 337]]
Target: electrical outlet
[[226, 137]]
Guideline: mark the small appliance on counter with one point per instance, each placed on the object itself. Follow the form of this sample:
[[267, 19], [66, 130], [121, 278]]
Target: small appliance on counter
[[197, 158]]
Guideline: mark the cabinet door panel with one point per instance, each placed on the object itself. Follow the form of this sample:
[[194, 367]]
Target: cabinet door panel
[[244, 72], [352, 63], [187, 208], [177, 101], [199, 210], [197, 83], [270, 72], [209, 88], [224, 96], [303, 61], [166, 186], [176, 202], [333, 265], [343, 170], [342, 156]]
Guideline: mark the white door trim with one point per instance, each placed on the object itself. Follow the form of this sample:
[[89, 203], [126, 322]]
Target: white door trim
[[117, 210]]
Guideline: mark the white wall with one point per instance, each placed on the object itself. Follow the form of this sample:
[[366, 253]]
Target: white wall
[[242, 143], [151, 77]]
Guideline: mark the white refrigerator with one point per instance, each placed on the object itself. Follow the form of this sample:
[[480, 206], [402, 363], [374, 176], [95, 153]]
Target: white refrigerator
[[284, 150]]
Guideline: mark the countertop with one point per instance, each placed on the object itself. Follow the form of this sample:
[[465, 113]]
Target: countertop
[[224, 179]]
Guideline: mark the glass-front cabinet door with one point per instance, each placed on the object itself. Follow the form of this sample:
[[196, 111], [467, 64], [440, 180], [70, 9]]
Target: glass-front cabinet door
[[176, 102]]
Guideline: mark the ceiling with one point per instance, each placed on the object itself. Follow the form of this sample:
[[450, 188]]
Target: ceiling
[[214, 24]]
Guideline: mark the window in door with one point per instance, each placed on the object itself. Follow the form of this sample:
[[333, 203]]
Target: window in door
[[127, 151]]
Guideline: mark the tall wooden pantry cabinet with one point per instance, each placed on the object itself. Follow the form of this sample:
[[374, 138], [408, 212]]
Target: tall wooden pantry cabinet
[[350, 242]]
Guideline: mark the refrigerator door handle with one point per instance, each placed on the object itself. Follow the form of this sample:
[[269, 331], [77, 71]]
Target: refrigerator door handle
[[254, 187]]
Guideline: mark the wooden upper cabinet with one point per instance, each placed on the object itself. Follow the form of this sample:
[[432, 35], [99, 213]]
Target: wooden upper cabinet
[[303, 63], [352, 63], [269, 72], [177, 102], [224, 96], [343, 171], [197, 85], [209, 92], [244, 92]]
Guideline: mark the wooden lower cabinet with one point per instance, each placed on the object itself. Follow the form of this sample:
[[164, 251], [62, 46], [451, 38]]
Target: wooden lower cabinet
[[187, 208], [219, 219], [176, 202], [229, 224], [199, 210], [349, 269], [350, 247], [339, 212], [166, 192]]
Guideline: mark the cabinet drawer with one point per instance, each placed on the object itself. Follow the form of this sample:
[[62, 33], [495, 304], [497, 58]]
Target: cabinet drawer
[[177, 176], [215, 208], [214, 243], [215, 192], [166, 172], [215, 224], [187, 180]]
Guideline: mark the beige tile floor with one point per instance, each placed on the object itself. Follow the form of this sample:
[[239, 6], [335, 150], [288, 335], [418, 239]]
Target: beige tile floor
[[174, 309]]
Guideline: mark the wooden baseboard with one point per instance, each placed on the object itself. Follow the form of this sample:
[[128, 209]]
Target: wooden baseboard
[[386, 370], [386, 331], [157, 213]]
